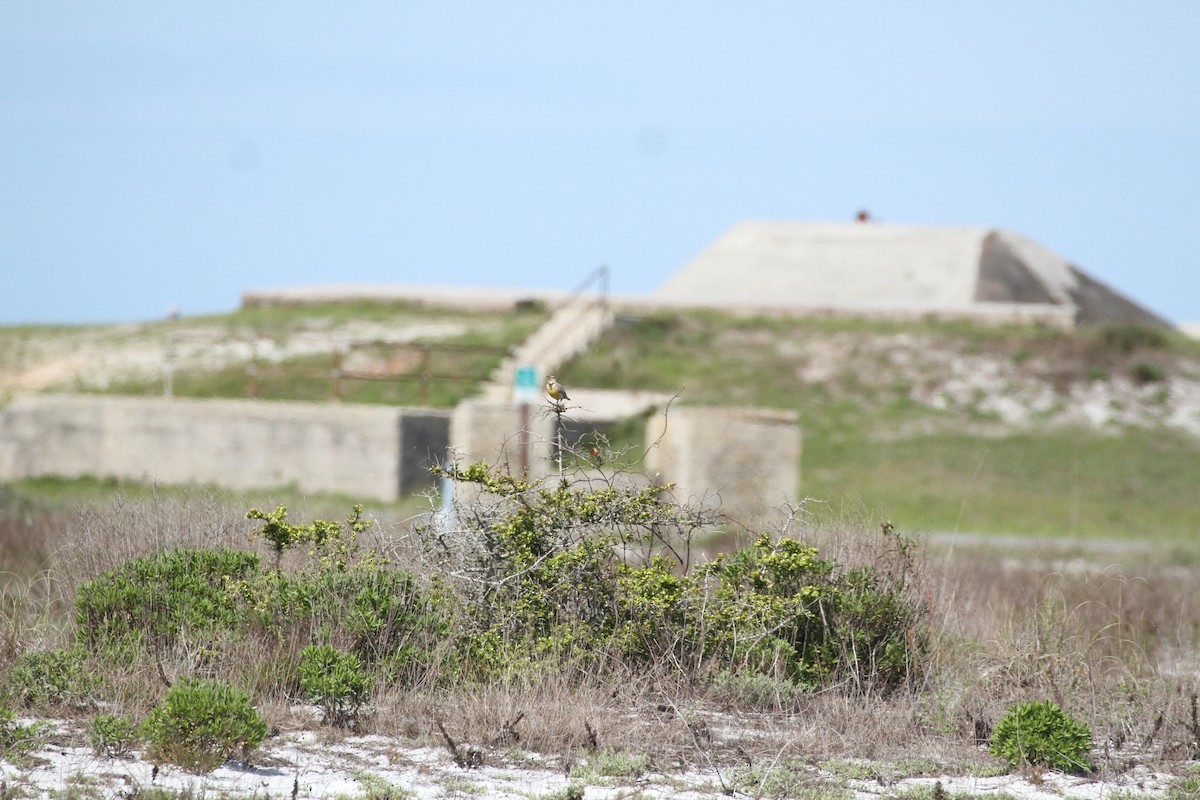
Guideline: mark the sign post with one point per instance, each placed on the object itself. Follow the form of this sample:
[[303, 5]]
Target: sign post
[[525, 388]]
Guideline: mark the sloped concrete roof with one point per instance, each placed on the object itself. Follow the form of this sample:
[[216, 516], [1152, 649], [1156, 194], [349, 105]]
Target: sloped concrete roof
[[887, 267]]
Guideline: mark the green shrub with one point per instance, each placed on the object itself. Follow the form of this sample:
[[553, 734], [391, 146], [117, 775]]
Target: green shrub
[[777, 609], [17, 739], [334, 680], [152, 600], [393, 624], [208, 600], [51, 677], [540, 571], [334, 544], [1040, 732], [113, 736], [1148, 372], [202, 723], [1127, 337], [754, 690], [765, 615], [578, 573]]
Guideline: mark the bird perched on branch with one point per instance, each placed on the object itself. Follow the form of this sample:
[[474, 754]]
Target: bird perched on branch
[[555, 389]]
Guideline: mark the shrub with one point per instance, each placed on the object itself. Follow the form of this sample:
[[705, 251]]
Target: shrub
[[778, 609], [333, 543], [51, 677], [153, 599], [754, 690], [334, 680], [1148, 372], [210, 601], [202, 723], [582, 573], [341, 594], [765, 615], [1040, 732], [15, 738], [538, 567], [113, 736], [1127, 337]]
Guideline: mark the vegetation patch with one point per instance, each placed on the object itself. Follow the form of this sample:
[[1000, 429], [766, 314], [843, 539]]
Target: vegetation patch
[[1040, 733], [200, 724]]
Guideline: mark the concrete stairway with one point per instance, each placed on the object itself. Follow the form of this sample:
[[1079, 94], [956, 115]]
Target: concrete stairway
[[570, 330]]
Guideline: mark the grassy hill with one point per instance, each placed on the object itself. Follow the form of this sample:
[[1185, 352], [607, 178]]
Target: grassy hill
[[949, 426], [935, 426]]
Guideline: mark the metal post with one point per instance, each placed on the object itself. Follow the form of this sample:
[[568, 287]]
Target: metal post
[[336, 373], [252, 371], [169, 376], [424, 381]]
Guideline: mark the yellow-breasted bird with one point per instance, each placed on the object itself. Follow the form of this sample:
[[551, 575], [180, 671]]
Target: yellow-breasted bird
[[555, 389]]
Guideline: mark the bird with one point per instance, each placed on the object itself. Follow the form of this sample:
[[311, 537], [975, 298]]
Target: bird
[[555, 389]]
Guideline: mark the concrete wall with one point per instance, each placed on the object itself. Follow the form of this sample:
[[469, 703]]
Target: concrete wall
[[747, 459], [519, 437], [373, 452]]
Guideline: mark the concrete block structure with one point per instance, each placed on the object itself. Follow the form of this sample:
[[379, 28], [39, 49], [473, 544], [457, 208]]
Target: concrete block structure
[[747, 460], [373, 452], [518, 437], [886, 270]]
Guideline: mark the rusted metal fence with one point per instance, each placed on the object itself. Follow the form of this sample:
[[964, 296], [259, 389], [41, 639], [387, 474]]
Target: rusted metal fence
[[427, 373]]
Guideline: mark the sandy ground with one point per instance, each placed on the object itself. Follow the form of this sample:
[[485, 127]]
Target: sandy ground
[[308, 764]]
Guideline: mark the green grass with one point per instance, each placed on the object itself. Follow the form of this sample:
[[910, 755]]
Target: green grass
[[868, 442], [1058, 483], [437, 370], [870, 446], [67, 495]]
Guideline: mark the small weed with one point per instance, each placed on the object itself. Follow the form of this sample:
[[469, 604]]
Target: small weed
[[864, 770], [852, 769], [912, 767], [755, 690], [376, 787], [78, 787], [617, 764], [1130, 794], [1184, 788], [159, 793], [786, 779], [16, 739], [572, 791], [1148, 372], [985, 769], [1127, 338], [454, 787], [113, 736]]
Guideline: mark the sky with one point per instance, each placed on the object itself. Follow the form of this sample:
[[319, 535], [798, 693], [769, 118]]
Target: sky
[[157, 155]]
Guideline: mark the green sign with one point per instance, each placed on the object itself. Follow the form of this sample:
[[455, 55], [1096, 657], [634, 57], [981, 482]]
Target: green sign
[[527, 378]]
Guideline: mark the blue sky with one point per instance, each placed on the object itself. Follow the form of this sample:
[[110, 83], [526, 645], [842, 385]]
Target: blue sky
[[156, 154]]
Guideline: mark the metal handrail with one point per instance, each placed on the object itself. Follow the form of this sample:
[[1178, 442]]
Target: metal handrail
[[599, 274]]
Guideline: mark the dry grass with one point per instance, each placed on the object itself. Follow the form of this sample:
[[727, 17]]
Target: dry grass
[[1113, 643]]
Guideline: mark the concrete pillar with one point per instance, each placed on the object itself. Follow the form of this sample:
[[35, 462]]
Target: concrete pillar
[[517, 437], [747, 460]]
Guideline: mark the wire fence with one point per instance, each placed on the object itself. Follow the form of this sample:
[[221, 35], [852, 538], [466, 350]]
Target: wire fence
[[436, 370]]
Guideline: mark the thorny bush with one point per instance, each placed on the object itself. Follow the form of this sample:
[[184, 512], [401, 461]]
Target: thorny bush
[[555, 573]]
